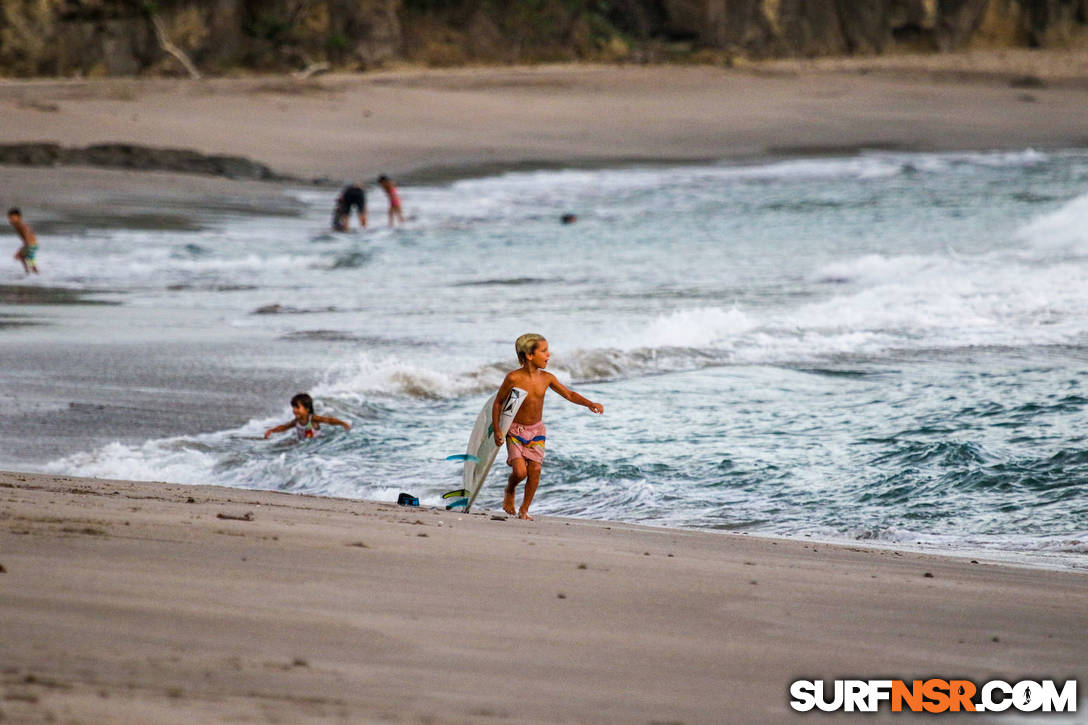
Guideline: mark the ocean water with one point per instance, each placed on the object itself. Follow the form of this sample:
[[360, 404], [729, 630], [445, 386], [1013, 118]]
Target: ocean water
[[888, 347]]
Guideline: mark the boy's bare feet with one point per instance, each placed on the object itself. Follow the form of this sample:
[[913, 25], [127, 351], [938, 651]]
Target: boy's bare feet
[[508, 503], [524, 516]]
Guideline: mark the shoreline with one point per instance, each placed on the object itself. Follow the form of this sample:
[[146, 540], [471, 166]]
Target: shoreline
[[140, 602], [1000, 558], [1076, 563], [339, 126]]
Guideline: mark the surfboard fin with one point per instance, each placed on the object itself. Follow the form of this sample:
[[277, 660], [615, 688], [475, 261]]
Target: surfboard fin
[[455, 494], [463, 457]]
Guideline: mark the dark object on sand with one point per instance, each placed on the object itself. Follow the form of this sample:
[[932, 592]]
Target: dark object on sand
[[231, 517], [407, 499], [136, 157]]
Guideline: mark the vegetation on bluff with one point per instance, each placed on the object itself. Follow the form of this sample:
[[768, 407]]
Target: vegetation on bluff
[[131, 37]]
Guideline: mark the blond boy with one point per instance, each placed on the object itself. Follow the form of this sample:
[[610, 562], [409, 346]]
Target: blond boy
[[526, 437]]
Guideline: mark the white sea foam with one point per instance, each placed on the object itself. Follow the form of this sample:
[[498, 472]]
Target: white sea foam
[[996, 299], [236, 458], [870, 165], [892, 305], [1064, 227], [876, 268], [703, 327], [155, 460], [392, 376]]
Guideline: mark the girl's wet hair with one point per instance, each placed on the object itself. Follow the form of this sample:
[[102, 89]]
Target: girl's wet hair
[[526, 345], [305, 401]]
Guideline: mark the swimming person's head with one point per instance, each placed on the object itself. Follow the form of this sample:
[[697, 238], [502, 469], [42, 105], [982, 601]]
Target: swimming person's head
[[526, 345], [302, 405]]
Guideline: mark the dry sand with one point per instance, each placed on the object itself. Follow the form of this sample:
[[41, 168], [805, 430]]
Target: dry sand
[[403, 122], [156, 603], [125, 602]]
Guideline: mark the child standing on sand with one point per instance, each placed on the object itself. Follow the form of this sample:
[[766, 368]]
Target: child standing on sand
[[305, 422], [525, 439], [394, 198], [29, 250]]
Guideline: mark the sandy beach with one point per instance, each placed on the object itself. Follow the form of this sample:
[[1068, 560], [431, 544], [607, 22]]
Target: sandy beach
[[421, 123], [136, 603], [129, 602]]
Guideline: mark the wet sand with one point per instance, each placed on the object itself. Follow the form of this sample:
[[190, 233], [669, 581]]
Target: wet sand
[[145, 602]]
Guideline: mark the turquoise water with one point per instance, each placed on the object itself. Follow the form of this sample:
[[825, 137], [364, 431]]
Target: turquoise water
[[884, 347]]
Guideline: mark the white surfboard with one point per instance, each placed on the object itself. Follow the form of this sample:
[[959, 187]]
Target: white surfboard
[[481, 450]]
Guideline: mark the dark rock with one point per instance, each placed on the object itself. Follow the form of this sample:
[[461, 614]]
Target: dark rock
[[1027, 82], [30, 154], [138, 158]]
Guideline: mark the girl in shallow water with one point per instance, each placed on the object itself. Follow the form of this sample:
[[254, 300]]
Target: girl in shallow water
[[306, 423], [390, 190]]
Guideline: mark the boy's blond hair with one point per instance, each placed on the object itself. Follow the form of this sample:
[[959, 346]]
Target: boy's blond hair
[[526, 345]]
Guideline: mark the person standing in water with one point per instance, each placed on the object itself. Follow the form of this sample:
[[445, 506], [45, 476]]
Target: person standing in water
[[390, 190], [526, 437], [351, 197], [29, 250]]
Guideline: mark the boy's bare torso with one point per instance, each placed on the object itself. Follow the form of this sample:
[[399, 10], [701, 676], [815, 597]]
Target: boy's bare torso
[[23, 230], [536, 384]]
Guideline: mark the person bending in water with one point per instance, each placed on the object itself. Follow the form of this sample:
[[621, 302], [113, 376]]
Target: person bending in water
[[305, 422], [29, 250], [351, 197], [394, 199], [526, 437]]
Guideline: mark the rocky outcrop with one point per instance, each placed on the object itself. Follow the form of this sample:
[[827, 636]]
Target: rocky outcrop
[[137, 158], [128, 37]]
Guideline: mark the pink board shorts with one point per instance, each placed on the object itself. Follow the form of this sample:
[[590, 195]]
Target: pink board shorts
[[525, 441]]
